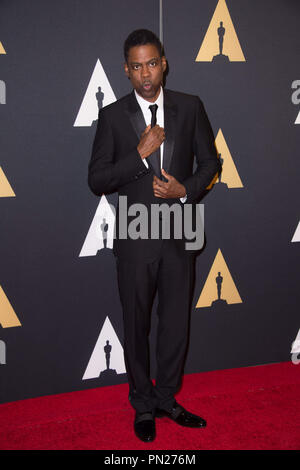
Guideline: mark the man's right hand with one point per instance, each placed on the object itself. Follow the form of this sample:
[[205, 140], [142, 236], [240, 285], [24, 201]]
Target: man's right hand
[[151, 139]]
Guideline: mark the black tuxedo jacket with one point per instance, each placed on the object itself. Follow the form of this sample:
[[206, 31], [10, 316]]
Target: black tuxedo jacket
[[116, 165]]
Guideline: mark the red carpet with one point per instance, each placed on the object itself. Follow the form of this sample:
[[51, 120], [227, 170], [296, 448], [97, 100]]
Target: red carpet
[[248, 408]]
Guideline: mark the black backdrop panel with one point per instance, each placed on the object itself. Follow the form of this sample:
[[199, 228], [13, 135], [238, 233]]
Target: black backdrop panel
[[61, 299]]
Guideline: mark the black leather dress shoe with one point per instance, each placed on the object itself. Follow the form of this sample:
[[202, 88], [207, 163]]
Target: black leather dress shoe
[[182, 417], [144, 427]]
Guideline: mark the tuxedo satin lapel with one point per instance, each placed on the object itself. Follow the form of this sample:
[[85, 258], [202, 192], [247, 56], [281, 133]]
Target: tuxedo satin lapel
[[170, 114], [135, 115]]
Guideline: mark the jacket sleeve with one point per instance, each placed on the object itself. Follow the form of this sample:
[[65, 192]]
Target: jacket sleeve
[[208, 163], [105, 174]]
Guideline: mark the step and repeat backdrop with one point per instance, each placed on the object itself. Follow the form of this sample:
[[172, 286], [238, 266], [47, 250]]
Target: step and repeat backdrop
[[60, 61]]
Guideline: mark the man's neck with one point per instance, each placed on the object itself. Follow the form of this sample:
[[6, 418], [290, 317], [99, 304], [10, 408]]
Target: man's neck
[[152, 100]]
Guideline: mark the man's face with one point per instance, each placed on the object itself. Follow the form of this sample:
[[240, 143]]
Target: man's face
[[145, 68]]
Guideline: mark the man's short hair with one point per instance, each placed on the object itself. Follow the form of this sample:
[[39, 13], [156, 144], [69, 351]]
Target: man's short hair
[[141, 37]]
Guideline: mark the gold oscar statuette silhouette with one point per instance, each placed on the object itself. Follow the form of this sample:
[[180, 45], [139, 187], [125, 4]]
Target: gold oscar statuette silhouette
[[221, 57]]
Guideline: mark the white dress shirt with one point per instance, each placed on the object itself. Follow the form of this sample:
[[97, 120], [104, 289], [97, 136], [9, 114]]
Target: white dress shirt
[[144, 105]]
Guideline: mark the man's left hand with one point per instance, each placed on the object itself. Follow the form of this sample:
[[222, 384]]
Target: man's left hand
[[169, 189]]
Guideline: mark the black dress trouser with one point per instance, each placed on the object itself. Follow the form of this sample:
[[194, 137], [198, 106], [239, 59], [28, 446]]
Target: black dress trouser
[[172, 275]]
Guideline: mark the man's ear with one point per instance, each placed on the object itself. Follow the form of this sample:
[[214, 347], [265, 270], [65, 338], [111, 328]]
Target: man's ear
[[164, 63], [126, 69]]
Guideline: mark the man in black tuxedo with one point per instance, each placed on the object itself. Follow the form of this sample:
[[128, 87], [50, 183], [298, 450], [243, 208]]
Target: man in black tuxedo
[[144, 148]]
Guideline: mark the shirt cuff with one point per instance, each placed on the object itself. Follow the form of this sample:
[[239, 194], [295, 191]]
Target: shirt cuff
[[146, 163], [183, 199]]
